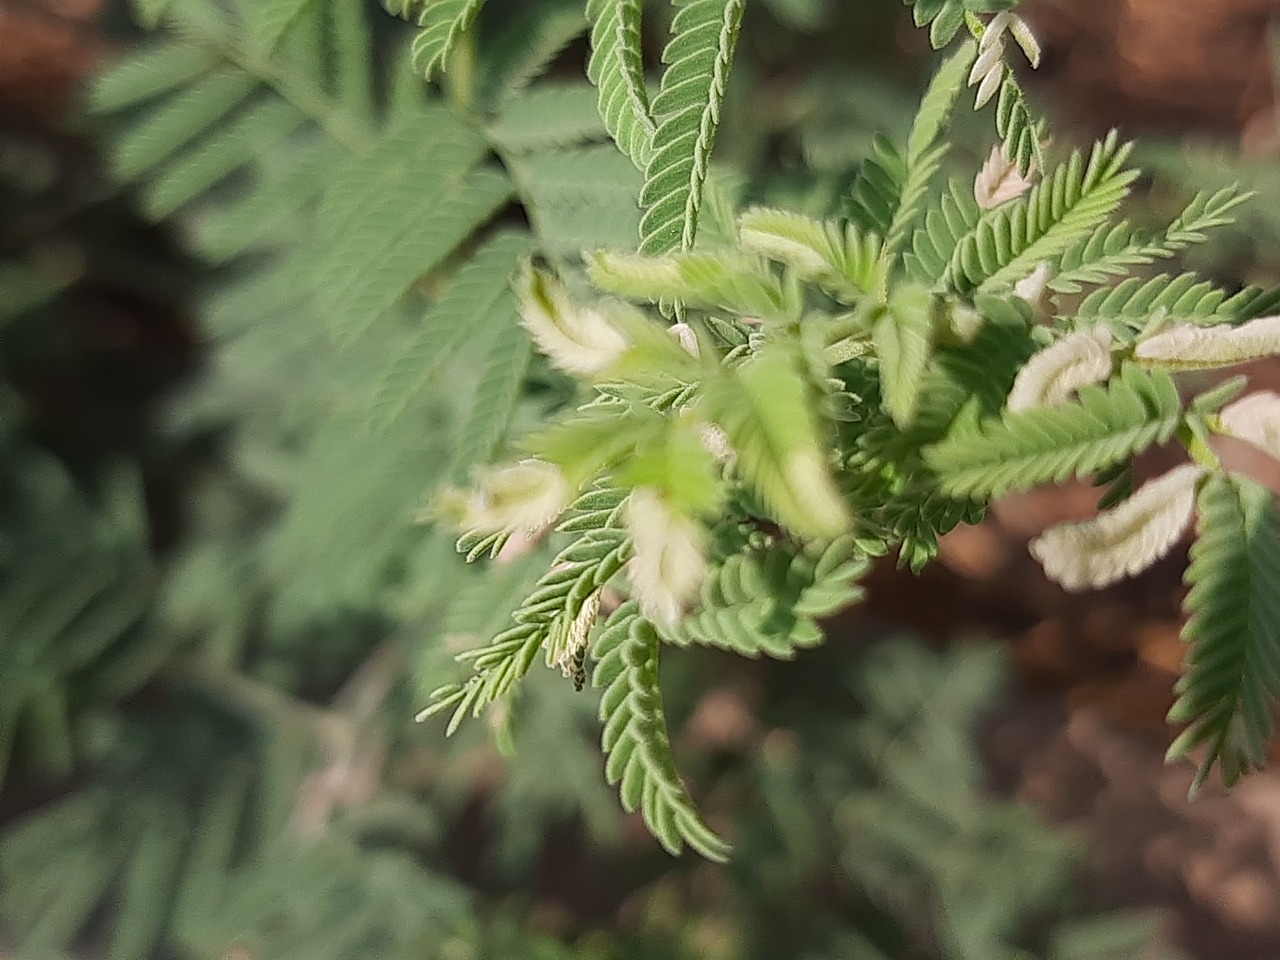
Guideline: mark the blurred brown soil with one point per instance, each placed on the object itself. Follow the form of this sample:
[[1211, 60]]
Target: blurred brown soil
[[1173, 66], [46, 47]]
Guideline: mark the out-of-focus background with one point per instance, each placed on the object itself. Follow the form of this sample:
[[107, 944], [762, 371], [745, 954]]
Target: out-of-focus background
[[217, 616]]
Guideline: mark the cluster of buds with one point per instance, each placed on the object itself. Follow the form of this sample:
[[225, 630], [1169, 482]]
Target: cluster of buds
[[1140, 531]]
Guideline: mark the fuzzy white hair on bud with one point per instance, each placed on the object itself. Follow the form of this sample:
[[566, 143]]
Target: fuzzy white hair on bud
[[522, 498], [989, 69], [999, 180], [1122, 541], [685, 336], [1050, 377], [579, 340], [1022, 35], [716, 442], [1255, 419], [1189, 347], [1034, 288], [669, 564]]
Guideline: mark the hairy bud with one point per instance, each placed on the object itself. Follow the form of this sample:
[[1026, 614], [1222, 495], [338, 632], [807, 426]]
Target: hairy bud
[[1255, 419], [1052, 375], [669, 563], [522, 498], [1188, 347], [579, 340], [1122, 541]]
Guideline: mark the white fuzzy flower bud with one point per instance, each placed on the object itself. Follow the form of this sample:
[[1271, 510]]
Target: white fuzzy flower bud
[[669, 563], [1122, 541], [1022, 35], [999, 180], [988, 69], [1188, 347], [522, 498], [686, 338], [1033, 287], [1255, 419], [1050, 377], [716, 442], [577, 339]]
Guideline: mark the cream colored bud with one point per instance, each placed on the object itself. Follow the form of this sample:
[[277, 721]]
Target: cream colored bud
[[521, 498], [999, 180], [1033, 287], [686, 338], [1255, 419], [578, 339], [669, 564], [1050, 377], [716, 442], [1122, 541], [1189, 347], [1022, 35]]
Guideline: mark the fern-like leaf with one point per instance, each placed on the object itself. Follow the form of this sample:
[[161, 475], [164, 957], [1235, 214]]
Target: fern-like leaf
[[478, 301], [768, 602], [739, 284], [580, 199], [390, 216], [935, 243], [1113, 250], [576, 574], [687, 108], [1010, 241], [487, 411], [1020, 132], [903, 338], [443, 23], [924, 155], [837, 257], [1232, 677], [635, 735], [1131, 304], [548, 116], [1021, 450], [267, 20], [617, 69], [520, 52], [765, 408]]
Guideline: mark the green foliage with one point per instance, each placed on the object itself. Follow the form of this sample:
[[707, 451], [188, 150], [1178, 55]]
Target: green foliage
[[1232, 676], [617, 69], [768, 601], [1010, 241], [443, 23], [924, 156], [1022, 450], [181, 799], [84, 636], [1114, 250], [687, 114], [852, 392], [838, 390], [383, 222], [837, 257], [635, 735]]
